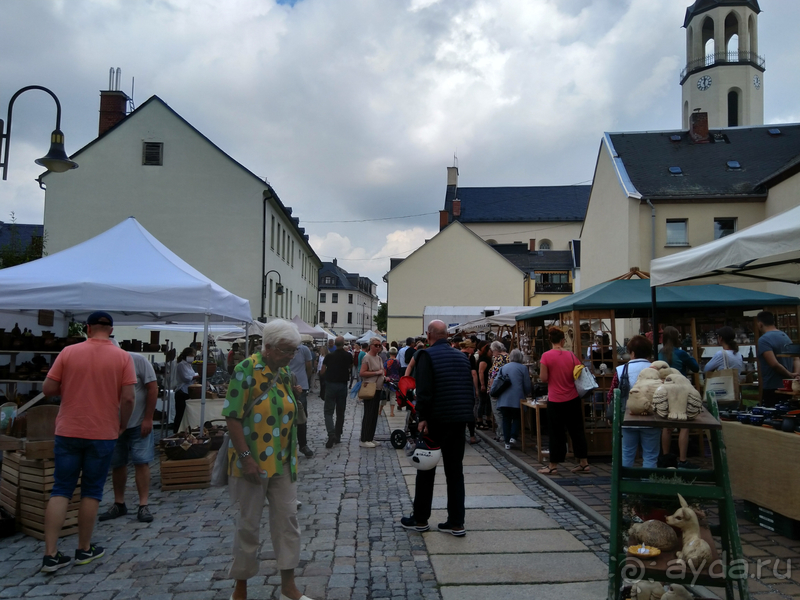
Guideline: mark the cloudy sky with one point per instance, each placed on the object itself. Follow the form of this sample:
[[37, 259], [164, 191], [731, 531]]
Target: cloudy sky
[[352, 109]]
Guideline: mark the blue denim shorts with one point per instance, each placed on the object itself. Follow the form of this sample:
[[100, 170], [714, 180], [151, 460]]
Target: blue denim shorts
[[87, 459], [133, 448]]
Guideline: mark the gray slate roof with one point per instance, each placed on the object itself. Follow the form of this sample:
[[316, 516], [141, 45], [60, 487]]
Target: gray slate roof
[[765, 159], [519, 204], [537, 260]]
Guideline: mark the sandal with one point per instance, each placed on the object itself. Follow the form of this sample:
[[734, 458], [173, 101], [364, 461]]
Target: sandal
[[473, 442], [582, 469], [548, 470]]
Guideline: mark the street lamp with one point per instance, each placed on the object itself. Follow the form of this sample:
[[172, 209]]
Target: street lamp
[[278, 291], [56, 160]]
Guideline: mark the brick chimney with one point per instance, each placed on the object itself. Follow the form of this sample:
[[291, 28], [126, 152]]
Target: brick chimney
[[698, 127], [532, 245], [444, 219], [113, 108], [456, 207]]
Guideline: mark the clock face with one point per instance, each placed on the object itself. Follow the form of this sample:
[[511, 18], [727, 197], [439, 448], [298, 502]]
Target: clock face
[[704, 83], [757, 82]]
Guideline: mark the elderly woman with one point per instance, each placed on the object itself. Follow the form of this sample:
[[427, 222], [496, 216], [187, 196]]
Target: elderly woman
[[499, 358], [262, 456], [371, 372], [508, 400]]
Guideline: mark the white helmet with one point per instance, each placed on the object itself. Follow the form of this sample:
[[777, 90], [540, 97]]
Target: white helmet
[[423, 453]]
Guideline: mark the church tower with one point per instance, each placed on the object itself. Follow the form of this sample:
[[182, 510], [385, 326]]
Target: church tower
[[724, 75]]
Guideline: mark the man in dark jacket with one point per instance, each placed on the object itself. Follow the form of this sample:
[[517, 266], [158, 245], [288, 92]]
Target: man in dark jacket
[[445, 397]]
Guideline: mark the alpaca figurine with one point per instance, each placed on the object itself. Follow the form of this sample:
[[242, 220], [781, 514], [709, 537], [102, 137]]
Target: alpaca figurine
[[695, 551], [640, 398], [677, 399], [676, 592], [647, 590]]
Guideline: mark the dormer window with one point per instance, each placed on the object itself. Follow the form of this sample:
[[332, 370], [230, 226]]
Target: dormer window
[[153, 154]]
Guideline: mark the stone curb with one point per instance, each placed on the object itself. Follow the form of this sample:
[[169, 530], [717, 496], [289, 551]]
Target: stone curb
[[548, 483]]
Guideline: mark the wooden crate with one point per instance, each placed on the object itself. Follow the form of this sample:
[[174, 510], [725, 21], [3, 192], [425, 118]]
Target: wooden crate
[[187, 474], [34, 487], [9, 483], [39, 450]]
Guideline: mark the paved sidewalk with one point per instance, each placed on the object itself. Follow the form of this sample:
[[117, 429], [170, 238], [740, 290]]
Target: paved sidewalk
[[521, 538]]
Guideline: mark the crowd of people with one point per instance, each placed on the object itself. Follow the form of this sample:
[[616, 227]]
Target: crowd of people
[[108, 399]]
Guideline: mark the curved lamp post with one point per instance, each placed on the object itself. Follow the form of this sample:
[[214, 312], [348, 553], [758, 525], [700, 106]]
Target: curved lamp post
[[56, 159], [278, 292]]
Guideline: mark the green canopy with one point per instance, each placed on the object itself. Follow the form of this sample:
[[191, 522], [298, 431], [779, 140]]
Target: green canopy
[[633, 296]]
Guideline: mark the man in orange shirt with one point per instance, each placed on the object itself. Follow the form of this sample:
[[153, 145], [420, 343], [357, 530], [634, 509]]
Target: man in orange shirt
[[95, 380]]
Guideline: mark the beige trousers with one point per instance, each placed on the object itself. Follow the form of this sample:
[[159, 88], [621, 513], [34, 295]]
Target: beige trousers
[[281, 493]]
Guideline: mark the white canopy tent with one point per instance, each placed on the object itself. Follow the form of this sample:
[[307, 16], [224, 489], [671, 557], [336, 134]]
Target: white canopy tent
[[767, 251], [507, 319], [327, 333], [306, 329], [369, 335], [128, 273]]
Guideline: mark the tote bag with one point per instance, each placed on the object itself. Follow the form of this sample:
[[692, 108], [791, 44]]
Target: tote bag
[[723, 384], [584, 380]]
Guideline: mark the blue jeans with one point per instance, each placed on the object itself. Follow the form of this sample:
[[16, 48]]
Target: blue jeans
[[648, 437], [132, 447], [87, 459]]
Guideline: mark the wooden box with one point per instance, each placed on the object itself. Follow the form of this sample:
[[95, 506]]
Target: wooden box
[[187, 474], [9, 483], [599, 441]]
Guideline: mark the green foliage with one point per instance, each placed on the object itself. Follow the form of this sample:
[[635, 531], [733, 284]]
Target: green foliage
[[15, 252], [382, 316]]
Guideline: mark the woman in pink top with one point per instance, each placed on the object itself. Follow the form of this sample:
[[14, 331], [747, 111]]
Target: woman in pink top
[[563, 404]]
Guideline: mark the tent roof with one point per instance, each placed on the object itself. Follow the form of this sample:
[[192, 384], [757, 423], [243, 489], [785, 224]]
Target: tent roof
[[125, 271], [769, 250], [634, 294], [305, 328]]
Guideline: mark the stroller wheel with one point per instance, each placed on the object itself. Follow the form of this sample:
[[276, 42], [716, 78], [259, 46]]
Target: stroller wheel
[[398, 439]]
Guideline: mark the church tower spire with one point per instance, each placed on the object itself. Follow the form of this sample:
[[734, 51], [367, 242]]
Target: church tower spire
[[724, 74]]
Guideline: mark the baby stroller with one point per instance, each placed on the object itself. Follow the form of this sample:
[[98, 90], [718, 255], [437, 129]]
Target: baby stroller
[[404, 395]]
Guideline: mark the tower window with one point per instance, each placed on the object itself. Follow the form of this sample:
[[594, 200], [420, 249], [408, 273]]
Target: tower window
[[153, 153], [733, 109]]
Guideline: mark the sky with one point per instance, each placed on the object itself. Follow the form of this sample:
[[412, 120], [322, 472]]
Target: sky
[[353, 109]]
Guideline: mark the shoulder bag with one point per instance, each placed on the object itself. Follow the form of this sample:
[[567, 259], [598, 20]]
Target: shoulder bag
[[219, 472], [584, 380], [501, 382], [368, 389]]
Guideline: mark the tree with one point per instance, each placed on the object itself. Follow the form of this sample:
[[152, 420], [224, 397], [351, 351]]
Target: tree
[[381, 317], [16, 251]]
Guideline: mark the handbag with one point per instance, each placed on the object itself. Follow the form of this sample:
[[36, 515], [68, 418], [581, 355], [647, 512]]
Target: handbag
[[584, 380], [367, 390], [723, 384], [219, 472], [500, 384]]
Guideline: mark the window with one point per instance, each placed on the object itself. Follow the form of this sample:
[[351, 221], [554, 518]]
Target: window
[[153, 154], [677, 232], [545, 245], [328, 281], [322, 316], [334, 317], [723, 227], [323, 297], [552, 282], [335, 298], [349, 317], [349, 298]]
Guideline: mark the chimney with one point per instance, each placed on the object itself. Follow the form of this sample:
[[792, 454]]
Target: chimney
[[532, 245], [698, 127], [452, 176], [113, 108], [444, 219], [456, 207]]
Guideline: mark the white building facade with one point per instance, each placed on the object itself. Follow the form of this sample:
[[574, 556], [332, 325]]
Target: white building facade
[[347, 301]]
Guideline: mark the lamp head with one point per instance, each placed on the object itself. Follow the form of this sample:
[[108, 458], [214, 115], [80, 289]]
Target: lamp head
[[56, 159], [279, 289]]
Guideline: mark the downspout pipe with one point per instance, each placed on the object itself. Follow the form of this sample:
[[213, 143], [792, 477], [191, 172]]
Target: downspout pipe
[[265, 195], [653, 309]]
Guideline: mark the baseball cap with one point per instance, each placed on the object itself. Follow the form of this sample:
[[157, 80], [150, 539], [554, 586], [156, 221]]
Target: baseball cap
[[100, 317]]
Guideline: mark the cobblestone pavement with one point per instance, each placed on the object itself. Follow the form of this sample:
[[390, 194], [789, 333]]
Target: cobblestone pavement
[[352, 546]]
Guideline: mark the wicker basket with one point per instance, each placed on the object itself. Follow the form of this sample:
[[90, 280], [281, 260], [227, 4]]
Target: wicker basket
[[174, 451]]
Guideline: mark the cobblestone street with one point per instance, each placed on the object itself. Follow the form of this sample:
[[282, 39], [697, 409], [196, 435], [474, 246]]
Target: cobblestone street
[[352, 545]]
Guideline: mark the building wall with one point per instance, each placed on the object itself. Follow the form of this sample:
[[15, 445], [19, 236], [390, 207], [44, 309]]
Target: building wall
[[606, 236], [200, 204], [363, 318], [454, 268], [560, 234]]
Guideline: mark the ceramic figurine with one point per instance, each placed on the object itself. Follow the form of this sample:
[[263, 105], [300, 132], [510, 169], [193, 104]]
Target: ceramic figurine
[[677, 399], [663, 369], [640, 398], [654, 533], [695, 550], [647, 590], [677, 592]]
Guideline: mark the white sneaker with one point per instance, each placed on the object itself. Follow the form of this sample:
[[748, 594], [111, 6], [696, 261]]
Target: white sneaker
[[376, 443], [508, 446], [366, 445], [512, 441]]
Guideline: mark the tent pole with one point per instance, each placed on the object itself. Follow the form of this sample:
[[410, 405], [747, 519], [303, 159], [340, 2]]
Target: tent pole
[[654, 314], [204, 375]]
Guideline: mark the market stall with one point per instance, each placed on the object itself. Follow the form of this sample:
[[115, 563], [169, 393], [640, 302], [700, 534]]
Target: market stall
[[695, 310]]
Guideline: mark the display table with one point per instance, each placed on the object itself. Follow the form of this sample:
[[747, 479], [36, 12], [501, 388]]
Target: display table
[[191, 418], [764, 466], [536, 406]]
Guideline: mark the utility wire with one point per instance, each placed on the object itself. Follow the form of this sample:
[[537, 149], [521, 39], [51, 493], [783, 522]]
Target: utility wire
[[379, 219]]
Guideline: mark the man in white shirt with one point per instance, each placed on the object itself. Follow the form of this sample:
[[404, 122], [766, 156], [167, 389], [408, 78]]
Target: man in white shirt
[[401, 354]]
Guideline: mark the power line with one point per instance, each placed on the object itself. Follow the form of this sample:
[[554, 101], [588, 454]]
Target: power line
[[379, 219]]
